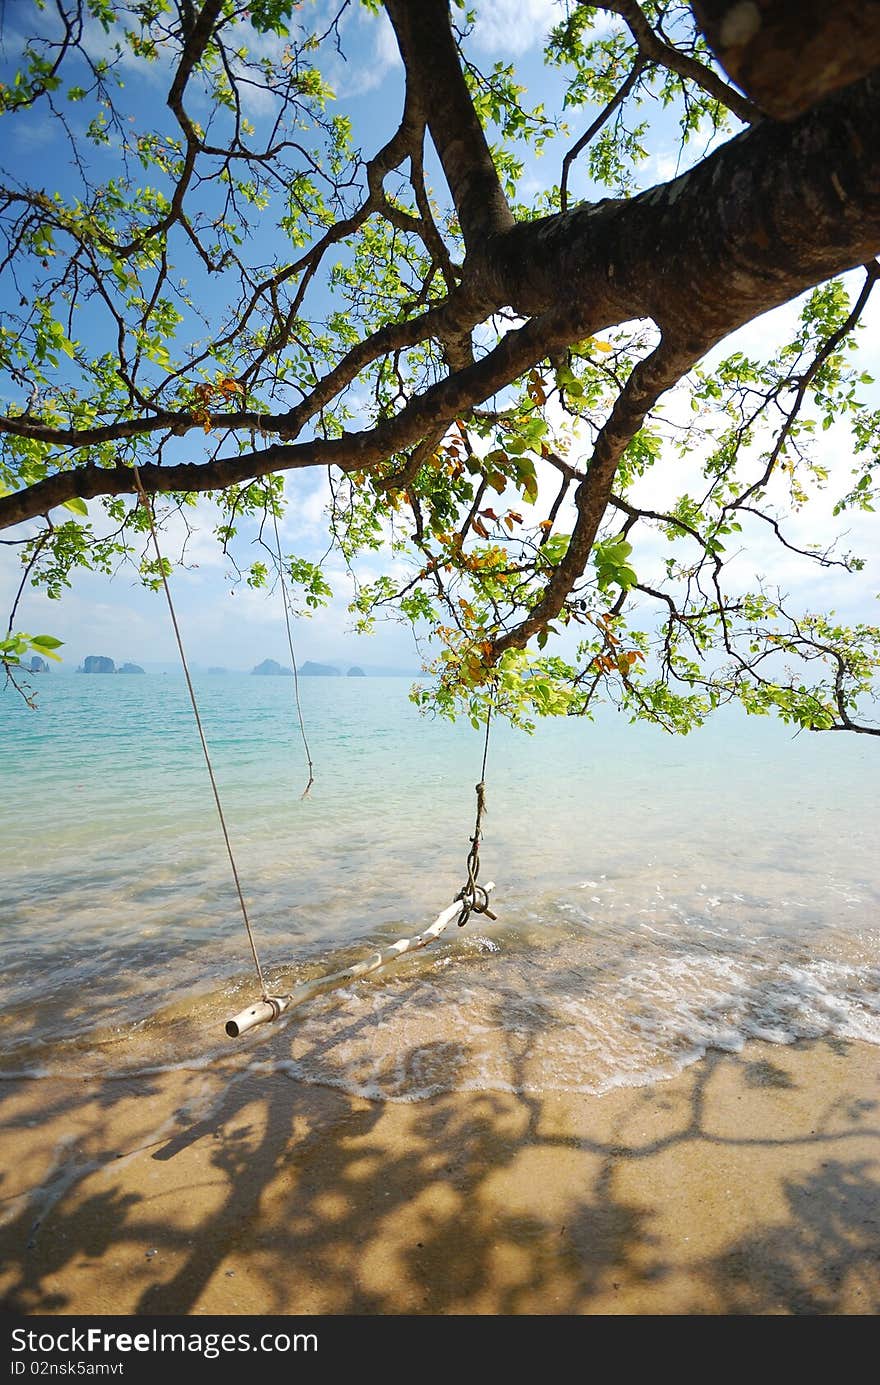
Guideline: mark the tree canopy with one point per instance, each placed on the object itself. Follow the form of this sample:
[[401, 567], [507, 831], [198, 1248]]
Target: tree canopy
[[499, 364]]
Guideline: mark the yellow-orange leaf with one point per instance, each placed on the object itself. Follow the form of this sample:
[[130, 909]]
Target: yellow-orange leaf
[[536, 388]]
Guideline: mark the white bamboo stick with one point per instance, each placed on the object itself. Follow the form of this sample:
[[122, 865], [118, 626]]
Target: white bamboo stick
[[271, 1008], [259, 1013]]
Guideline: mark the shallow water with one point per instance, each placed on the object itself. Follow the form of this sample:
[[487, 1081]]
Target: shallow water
[[655, 896]]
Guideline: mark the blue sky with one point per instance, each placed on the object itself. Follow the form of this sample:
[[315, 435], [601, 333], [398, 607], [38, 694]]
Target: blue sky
[[224, 622]]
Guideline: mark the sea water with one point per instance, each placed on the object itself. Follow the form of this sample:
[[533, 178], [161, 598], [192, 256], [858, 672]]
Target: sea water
[[656, 896]]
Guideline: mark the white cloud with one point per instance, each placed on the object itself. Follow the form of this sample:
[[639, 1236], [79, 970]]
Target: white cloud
[[371, 54], [510, 27], [306, 498], [35, 135], [386, 54]]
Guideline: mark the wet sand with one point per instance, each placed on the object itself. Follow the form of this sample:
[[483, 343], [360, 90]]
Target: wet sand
[[748, 1184]]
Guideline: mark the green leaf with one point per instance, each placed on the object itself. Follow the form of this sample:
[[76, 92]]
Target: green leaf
[[79, 507]]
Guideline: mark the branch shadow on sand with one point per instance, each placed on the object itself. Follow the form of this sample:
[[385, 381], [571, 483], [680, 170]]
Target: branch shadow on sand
[[728, 1190]]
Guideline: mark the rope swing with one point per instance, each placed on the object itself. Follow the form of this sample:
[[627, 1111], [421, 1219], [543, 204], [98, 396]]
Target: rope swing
[[272, 1006], [472, 898]]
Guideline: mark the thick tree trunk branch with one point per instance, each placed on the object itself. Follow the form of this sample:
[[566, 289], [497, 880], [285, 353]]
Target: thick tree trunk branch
[[651, 378], [789, 54], [775, 211], [428, 49], [443, 402]]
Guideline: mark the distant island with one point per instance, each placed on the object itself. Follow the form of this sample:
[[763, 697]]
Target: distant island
[[312, 670], [269, 667], [99, 663], [38, 665], [96, 663], [309, 669]]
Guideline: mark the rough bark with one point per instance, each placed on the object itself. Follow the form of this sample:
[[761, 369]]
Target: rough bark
[[788, 54], [775, 211]]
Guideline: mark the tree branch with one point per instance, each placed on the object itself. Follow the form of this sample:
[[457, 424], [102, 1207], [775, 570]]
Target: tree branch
[[592, 130], [351, 452], [656, 50], [827, 349], [773, 212], [650, 378], [424, 36]]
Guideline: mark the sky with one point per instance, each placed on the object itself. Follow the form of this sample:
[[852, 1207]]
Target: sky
[[226, 623]]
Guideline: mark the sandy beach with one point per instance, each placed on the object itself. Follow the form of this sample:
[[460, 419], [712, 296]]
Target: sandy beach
[[749, 1184]]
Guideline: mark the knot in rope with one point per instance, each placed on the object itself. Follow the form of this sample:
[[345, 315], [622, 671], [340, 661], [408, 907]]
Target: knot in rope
[[474, 898]]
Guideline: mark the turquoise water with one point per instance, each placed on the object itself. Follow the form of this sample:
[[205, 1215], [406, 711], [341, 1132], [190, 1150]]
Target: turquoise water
[[656, 896]]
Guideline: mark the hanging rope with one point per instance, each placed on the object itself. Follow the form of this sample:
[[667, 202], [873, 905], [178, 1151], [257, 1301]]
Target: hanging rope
[[302, 728], [142, 497], [473, 896]]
